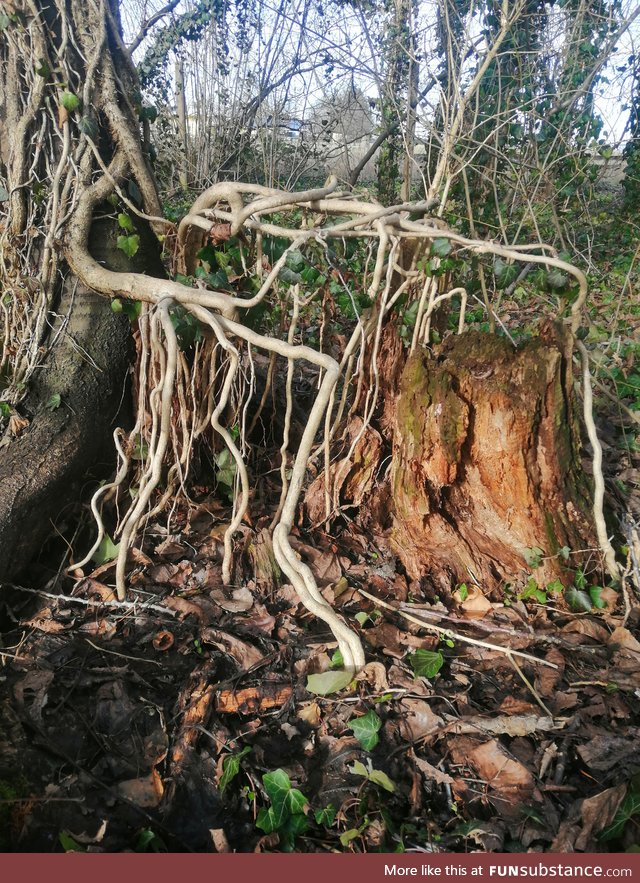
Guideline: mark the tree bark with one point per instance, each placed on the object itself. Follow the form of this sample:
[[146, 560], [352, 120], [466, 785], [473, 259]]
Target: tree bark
[[67, 109], [483, 444], [486, 467]]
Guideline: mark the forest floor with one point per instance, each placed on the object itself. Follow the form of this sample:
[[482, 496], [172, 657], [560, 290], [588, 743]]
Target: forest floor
[[188, 726]]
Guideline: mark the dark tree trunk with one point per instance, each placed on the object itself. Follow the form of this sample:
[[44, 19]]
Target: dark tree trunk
[[67, 93]]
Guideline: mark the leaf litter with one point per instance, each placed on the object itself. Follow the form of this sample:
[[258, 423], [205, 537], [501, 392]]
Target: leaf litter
[[201, 717]]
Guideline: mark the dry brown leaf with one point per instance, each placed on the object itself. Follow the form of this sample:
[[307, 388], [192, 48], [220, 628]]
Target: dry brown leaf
[[417, 720], [375, 674], [43, 621], [598, 812], [146, 791], [475, 605], [246, 655], [606, 751], [32, 692], [240, 601], [431, 772], [219, 840], [310, 713], [586, 627], [184, 608], [505, 724], [547, 679], [507, 778]]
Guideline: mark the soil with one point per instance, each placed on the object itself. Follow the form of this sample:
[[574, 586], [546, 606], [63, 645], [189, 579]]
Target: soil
[[154, 725]]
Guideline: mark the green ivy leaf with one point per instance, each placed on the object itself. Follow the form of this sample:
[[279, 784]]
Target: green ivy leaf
[[231, 767], [106, 551], [129, 244], [336, 660], [88, 126], [5, 410], [43, 70], [54, 402], [5, 21], [347, 836], [327, 816], [426, 663], [595, 593], [629, 808], [533, 556], [382, 779], [69, 101], [125, 222], [365, 729], [328, 682], [441, 247], [578, 600]]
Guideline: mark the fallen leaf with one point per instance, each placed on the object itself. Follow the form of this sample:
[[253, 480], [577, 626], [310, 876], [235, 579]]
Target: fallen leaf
[[431, 772], [163, 640], [475, 605], [146, 791], [246, 655], [240, 601], [606, 751], [417, 720], [219, 840], [598, 812]]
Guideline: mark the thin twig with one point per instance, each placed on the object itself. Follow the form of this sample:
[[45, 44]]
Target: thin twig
[[507, 651]]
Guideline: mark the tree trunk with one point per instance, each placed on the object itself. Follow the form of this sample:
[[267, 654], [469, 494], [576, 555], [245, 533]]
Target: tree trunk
[[485, 464], [484, 451], [67, 111]]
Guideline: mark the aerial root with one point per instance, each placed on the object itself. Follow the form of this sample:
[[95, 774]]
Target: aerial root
[[215, 385]]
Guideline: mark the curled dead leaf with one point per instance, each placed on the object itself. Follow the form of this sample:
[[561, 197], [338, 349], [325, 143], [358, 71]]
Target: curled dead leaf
[[163, 640]]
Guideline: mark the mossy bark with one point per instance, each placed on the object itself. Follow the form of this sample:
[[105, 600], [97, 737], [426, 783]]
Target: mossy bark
[[486, 465]]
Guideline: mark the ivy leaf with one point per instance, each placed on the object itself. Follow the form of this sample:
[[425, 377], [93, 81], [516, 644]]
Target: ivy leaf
[[129, 244], [5, 21], [326, 817], [359, 769], [4, 194], [440, 247], [595, 593], [347, 836], [125, 222], [578, 600], [43, 70], [382, 779], [426, 663], [556, 279], [365, 729], [533, 556], [266, 820], [106, 551], [69, 101], [5, 409], [54, 402], [328, 682], [231, 767], [629, 808], [88, 126]]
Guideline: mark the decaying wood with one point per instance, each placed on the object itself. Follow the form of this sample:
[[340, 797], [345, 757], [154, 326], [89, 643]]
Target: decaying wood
[[485, 464]]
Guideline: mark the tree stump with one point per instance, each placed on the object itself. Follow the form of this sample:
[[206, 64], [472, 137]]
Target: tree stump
[[486, 464]]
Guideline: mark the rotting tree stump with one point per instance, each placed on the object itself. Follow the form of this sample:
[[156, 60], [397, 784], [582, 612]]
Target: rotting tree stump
[[486, 463]]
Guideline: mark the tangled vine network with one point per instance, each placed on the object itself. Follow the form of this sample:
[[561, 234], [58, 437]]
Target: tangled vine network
[[177, 400]]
